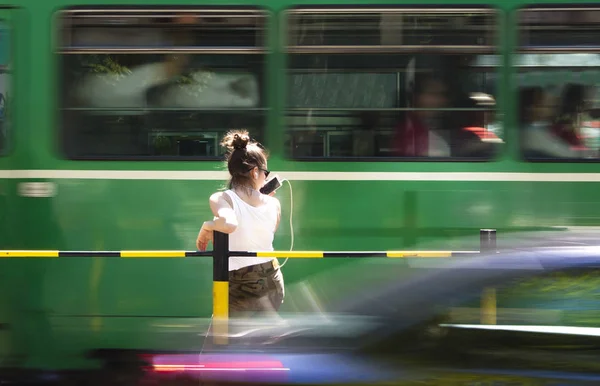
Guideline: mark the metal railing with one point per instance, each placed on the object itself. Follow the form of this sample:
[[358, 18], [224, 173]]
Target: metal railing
[[221, 254]]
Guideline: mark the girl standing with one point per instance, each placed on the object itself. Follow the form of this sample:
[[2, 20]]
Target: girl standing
[[251, 219]]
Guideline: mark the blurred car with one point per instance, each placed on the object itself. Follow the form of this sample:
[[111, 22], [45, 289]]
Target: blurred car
[[425, 329]]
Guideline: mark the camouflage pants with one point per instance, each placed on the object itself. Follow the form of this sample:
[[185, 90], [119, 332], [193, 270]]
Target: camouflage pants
[[256, 289]]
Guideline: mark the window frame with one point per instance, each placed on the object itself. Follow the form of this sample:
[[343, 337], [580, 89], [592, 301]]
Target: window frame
[[519, 50], [263, 50], [499, 72]]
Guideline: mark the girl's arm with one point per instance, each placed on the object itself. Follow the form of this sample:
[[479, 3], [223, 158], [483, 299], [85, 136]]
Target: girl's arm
[[224, 220]]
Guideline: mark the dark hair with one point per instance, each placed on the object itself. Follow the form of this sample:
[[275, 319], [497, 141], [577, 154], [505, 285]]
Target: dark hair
[[243, 155], [573, 97], [528, 98]]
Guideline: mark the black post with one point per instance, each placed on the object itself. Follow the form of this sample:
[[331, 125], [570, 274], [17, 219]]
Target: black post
[[487, 240], [220, 256], [220, 287]]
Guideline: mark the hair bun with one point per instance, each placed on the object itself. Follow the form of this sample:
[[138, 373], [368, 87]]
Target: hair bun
[[240, 141], [236, 140]]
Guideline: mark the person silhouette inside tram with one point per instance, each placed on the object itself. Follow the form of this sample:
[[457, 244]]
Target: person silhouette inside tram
[[536, 114], [416, 135], [468, 133], [574, 104]]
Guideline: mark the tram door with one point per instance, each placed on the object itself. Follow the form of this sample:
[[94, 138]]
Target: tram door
[[8, 191]]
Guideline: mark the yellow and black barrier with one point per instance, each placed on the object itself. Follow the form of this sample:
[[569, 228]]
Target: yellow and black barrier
[[122, 254], [181, 254], [221, 254]]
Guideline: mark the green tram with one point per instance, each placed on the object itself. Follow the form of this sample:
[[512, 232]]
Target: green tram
[[111, 116]]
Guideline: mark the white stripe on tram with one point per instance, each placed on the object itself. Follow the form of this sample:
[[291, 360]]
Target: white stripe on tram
[[300, 176]]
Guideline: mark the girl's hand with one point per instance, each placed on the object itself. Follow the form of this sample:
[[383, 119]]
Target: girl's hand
[[205, 236]]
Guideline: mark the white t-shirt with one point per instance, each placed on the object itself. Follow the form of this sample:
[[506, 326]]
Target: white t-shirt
[[255, 231]]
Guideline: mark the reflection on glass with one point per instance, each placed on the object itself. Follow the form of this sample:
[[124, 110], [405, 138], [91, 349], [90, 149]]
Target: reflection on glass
[[151, 84], [392, 83], [558, 77]]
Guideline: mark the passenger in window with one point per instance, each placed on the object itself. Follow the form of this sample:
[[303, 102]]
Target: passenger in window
[[469, 136], [130, 87], [417, 133], [123, 86], [572, 109], [536, 113]]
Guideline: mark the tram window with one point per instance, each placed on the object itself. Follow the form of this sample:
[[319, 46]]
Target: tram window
[[5, 83], [159, 83], [397, 84], [558, 75]]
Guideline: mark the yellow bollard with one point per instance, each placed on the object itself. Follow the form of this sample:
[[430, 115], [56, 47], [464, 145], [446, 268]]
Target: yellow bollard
[[487, 240], [220, 312], [488, 306]]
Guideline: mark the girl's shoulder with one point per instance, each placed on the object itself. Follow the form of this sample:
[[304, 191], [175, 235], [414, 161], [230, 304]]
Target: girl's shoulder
[[217, 196], [272, 201]]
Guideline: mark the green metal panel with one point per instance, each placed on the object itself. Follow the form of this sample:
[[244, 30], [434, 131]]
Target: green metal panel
[[11, 331]]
